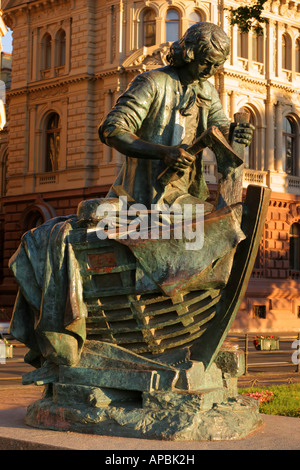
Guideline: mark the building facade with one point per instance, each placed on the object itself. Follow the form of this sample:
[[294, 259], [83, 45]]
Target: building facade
[[73, 58]]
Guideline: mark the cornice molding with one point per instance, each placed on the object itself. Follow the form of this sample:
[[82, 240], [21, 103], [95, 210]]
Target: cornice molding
[[33, 5], [41, 86], [246, 78], [275, 83], [26, 8]]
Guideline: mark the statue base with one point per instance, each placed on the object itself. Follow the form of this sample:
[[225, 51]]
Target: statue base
[[230, 420], [209, 408]]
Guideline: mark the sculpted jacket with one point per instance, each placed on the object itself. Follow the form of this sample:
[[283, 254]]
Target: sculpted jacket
[[159, 109]]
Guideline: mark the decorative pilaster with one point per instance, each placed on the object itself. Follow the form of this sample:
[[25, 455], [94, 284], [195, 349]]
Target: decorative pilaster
[[269, 155]]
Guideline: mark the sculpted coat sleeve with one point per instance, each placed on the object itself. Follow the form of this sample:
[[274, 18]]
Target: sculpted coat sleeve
[[130, 110]]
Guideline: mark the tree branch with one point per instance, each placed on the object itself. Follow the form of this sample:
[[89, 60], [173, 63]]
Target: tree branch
[[249, 17]]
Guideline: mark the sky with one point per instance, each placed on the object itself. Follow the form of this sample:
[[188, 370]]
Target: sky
[[7, 42]]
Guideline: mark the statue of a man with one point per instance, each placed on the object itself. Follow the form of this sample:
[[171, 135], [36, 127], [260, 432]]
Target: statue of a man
[[165, 110], [160, 114]]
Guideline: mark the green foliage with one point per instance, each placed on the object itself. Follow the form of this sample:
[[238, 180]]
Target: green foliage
[[249, 17], [284, 402]]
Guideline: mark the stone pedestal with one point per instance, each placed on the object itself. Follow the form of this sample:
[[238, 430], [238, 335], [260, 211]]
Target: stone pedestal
[[190, 403]]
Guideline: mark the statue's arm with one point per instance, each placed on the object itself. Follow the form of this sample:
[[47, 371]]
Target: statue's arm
[[120, 129]]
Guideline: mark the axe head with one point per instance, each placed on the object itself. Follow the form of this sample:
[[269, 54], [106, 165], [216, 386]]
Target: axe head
[[226, 157]]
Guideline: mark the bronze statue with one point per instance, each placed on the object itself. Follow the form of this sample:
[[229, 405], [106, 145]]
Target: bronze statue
[[110, 317]]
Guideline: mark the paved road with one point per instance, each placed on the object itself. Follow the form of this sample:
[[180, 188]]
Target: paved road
[[281, 361]]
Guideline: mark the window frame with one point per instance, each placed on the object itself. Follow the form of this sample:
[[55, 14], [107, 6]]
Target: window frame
[[285, 137], [50, 165], [297, 55], [46, 52], [258, 48], [251, 150], [286, 51], [200, 15], [146, 23], [60, 48], [260, 311], [173, 21]]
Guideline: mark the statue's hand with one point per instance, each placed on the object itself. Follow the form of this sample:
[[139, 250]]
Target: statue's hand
[[178, 158], [243, 133]]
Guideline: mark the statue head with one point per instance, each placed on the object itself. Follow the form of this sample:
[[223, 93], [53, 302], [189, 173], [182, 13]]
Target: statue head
[[200, 42]]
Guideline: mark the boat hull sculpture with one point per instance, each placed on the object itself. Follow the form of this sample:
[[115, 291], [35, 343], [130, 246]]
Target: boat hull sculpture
[[127, 332]]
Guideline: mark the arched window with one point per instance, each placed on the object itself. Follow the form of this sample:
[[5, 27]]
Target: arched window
[[295, 247], [195, 17], [258, 48], [34, 219], [149, 28], [172, 25], [297, 55], [242, 49], [52, 159], [36, 214], [251, 150], [289, 145], [286, 52], [60, 46], [46, 52]]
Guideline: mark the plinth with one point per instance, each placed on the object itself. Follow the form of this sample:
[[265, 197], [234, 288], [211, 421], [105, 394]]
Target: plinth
[[180, 403]]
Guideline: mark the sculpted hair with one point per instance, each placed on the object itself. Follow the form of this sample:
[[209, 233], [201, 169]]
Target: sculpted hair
[[198, 39]]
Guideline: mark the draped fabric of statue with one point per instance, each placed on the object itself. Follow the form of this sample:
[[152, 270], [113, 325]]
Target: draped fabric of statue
[[47, 315]]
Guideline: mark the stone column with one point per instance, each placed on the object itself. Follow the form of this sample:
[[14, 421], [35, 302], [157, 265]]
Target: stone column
[[110, 11], [261, 139], [270, 44], [68, 30], [52, 73], [35, 55], [269, 154], [160, 30], [119, 33], [233, 109], [32, 165]]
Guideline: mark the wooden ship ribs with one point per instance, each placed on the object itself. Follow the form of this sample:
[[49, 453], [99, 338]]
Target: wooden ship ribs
[[141, 322]]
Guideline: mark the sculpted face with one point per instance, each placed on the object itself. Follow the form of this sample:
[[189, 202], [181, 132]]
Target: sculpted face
[[205, 65]]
